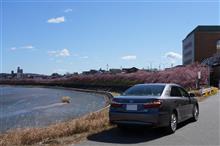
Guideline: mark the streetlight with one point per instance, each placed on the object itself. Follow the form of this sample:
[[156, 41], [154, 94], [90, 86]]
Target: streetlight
[[149, 65], [107, 67]]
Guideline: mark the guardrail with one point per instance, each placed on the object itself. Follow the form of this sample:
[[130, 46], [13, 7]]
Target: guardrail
[[209, 91]]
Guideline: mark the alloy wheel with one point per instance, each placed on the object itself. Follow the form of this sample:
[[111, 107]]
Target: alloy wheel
[[173, 122], [196, 112]]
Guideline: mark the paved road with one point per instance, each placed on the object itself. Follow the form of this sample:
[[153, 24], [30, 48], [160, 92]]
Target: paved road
[[203, 132]]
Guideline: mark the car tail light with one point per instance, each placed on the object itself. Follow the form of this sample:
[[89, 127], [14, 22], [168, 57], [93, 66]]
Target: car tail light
[[153, 104], [115, 104]]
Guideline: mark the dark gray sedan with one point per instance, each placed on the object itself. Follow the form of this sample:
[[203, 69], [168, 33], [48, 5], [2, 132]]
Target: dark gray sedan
[[157, 105]]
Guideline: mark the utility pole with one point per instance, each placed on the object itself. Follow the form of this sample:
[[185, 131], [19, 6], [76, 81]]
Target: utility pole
[[107, 66], [198, 80], [209, 73], [171, 65]]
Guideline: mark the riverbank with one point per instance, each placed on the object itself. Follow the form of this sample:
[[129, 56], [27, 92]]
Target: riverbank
[[64, 133], [58, 133]]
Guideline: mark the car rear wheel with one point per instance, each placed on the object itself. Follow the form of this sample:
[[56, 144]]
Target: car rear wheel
[[195, 113], [172, 124]]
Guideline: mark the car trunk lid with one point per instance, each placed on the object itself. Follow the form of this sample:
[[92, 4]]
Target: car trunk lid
[[136, 104]]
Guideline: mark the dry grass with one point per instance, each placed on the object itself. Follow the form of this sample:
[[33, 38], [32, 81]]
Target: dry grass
[[87, 124], [115, 93], [65, 99]]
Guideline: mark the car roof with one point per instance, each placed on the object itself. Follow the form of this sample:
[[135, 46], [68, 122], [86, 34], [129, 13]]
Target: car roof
[[165, 84]]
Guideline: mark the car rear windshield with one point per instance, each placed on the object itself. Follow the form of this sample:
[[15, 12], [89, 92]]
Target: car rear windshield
[[145, 90]]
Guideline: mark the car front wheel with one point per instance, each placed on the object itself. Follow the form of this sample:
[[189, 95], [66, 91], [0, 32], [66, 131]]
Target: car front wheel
[[195, 113]]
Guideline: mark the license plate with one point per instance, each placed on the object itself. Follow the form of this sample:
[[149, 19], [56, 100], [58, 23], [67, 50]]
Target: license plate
[[131, 107]]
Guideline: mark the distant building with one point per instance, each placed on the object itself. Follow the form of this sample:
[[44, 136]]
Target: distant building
[[5, 76], [12, 74], [19, 72], [130, 70], [178, 66], [115, 71], [75, 73], [55, 75], [91, 72], [200, 44]]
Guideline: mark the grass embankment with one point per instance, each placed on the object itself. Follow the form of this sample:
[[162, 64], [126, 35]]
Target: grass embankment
[[58, 134]]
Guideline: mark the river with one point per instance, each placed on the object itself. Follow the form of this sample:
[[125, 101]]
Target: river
[[38, 106]]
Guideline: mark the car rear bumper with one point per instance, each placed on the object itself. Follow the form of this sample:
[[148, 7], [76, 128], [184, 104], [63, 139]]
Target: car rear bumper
[[155, 120]]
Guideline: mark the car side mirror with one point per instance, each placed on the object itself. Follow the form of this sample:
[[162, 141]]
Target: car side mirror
[[191, 95]]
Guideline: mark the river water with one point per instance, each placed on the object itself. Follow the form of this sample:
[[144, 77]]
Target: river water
[[37, 107]]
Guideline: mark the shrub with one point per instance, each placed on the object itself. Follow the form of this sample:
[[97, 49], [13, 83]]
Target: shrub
[[65, 99]]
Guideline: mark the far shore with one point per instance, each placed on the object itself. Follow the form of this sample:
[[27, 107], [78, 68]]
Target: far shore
[[107, 95]]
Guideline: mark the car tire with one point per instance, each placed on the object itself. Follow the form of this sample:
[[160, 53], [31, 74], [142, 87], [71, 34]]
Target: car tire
[[195, 113], [172, 123]]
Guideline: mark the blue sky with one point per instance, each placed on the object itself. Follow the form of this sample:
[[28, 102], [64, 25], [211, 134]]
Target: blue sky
[[72, 36]]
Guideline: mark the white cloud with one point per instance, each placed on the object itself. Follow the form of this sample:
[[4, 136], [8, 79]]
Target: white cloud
[[129, 57], [13, 48], [52, 52], [59, 61], [84, 57], [68, 10], [173, 57], [64, 52], [28, 47], [60, 53], [56, 20], [76, 55]]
